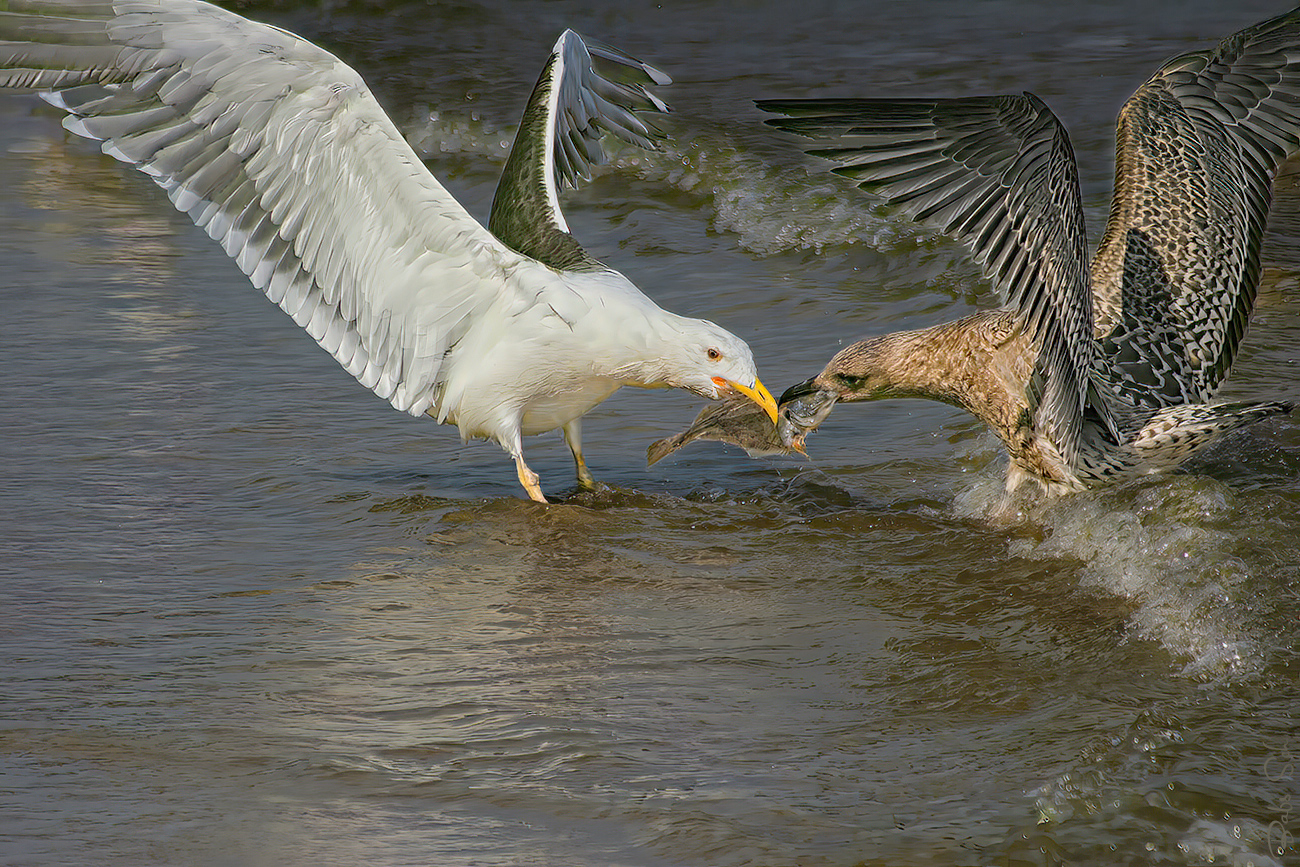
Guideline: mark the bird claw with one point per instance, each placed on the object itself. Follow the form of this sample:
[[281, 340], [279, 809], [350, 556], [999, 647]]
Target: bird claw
[[530, 481]]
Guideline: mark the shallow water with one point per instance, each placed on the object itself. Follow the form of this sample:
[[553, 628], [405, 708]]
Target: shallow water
[[251, 615]]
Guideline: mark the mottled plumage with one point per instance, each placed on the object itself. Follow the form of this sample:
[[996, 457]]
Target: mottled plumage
[[280, 152], [1088, 374]]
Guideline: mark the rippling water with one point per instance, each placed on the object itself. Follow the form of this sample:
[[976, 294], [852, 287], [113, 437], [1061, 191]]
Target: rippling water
[[250, 615]]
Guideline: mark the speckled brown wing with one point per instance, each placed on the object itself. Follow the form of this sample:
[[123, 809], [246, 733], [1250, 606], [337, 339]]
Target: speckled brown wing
[[997, 173], [1197, 147]]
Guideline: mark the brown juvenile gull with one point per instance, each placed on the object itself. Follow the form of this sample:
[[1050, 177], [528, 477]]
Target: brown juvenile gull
[[280, 152], [1088, 375]]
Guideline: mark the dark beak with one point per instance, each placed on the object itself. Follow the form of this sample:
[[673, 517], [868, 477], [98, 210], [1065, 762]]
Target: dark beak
[[803, 407], [795, 392]]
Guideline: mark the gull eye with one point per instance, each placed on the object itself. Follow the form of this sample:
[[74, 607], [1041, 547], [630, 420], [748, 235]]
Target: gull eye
[[714, 354]]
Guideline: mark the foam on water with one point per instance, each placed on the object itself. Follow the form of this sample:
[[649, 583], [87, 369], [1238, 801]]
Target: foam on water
[[1164, 543], [453, 133], [773, 209], [770, 208]]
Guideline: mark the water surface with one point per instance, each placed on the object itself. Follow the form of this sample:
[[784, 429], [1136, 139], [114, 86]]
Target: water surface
[[251, 615]]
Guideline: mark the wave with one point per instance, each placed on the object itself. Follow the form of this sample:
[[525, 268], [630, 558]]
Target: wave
[[770, 208]]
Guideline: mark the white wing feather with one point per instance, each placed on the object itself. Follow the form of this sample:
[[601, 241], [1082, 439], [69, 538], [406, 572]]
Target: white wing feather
[[279, 151]]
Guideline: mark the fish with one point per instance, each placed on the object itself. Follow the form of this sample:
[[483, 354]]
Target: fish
[[738, 421]]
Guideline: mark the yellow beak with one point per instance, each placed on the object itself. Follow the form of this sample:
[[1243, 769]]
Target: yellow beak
[[758, 394]]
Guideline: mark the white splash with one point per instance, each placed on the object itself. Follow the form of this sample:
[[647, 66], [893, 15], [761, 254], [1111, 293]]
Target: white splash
[[1164, 543]]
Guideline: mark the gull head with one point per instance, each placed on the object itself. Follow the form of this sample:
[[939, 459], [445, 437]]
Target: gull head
[[857, 372], [714, 363]]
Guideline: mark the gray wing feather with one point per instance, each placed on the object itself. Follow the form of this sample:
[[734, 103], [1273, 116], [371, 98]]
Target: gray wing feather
[[602, 90], [573, 105], [997, 173], [1176, 274]]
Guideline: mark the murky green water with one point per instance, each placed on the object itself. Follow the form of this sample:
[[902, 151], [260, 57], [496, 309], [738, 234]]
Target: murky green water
[[251, 615]]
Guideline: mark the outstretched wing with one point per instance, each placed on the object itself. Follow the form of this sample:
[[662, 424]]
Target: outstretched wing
[[1197, 148], [559, 137], [997, 173], [279, 151]]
